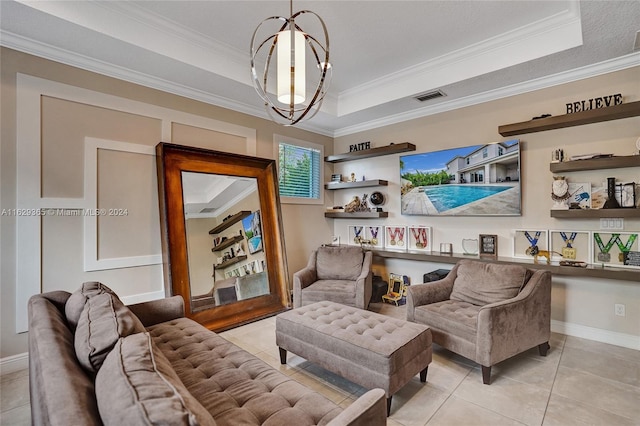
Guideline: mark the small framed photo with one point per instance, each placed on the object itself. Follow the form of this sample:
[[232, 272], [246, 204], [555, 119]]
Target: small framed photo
[[488, 245], [336, 178], [618, 249], [570, 245], [626, 194], [356, 235], [375, 235], [395, 237], [598, 196], [528, 243], [419, 238]]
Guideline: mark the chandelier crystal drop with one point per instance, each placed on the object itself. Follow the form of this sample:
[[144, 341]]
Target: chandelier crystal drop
[[279, 68]]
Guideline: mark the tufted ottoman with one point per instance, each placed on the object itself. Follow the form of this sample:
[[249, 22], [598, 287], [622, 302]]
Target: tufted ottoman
[[372, 350]]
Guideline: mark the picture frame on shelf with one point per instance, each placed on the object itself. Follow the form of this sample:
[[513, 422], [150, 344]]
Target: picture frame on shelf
[[375, 235], [570, 245], [626, 194], [598, 196], [579, 195], [356, 235], [395, 237], [616, 249], [488, 246], [524, 241], [419, 238]]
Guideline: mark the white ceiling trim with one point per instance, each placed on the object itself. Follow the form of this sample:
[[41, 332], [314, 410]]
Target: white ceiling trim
[[544, 37], [46, 51], [612, 65], [125, 21]]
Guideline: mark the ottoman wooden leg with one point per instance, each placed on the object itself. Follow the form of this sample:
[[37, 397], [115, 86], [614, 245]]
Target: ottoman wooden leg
[[389, 405], [283, 356], [423, 374]]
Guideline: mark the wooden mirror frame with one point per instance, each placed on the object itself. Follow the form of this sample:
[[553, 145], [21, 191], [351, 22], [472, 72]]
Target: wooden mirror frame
[[172, 160]]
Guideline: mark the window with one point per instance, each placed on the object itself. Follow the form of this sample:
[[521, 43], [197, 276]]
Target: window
[[485, 153], [300, 173], [500, 151]]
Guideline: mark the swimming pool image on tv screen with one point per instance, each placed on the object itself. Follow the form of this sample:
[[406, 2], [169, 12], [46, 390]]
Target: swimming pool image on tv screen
[[475, 180], [447, 197]]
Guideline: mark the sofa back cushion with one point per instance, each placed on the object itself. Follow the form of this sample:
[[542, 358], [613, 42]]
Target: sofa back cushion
[[339, 263], [481, 283], [102, 322], [75, 303], [137, 385]]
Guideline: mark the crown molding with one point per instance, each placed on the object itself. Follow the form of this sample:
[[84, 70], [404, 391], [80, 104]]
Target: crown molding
[[541, 38], [36, 48], [605, 67]]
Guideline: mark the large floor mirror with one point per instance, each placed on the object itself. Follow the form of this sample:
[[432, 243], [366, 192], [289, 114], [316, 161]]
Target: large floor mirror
[[223, 249]]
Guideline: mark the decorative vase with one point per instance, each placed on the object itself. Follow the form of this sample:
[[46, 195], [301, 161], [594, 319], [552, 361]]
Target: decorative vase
[[611, 202]]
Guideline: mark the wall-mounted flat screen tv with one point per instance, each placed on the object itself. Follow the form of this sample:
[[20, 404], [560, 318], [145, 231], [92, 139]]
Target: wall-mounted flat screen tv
[[478, 180]]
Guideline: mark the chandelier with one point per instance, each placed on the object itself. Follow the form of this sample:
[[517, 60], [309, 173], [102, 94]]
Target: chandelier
[[286, 99]]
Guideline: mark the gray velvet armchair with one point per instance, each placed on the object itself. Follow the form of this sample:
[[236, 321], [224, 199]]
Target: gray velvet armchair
[[486, 312], [338, 274]]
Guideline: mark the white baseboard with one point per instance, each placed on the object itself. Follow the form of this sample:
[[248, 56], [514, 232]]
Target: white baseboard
[[14, 363], [605, 336]]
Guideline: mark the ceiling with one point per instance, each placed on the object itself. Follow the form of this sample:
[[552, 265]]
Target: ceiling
[[383, 53]]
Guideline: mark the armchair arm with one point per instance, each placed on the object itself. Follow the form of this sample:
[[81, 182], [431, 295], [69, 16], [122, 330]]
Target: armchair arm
[[511, 326], [160, 310], [304, 278], [433, 292], [364, 282]]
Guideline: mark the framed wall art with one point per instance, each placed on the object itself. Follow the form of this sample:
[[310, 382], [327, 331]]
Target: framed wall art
[[375, 235], [570, 245], [395, 237], [419, 238], [530, 243], [356, 235], [616, 249], [253, 231]]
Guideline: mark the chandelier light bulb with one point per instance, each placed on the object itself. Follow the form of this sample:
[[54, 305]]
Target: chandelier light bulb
[[291, 67]]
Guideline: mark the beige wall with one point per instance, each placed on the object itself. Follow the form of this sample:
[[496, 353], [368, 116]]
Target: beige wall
[[580, 305], [577, 303], [65, 124]]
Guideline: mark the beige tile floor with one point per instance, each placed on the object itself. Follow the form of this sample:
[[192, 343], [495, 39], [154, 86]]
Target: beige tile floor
[[580, 382]]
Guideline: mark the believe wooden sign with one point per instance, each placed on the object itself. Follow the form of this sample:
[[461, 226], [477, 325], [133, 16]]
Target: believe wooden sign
[[594, 103]]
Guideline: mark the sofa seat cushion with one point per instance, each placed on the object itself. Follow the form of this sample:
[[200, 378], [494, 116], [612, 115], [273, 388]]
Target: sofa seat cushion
[[450, 316], [233, 385], [339, 291], [482, 283], [103, 321], [339, 263], [137, 385]]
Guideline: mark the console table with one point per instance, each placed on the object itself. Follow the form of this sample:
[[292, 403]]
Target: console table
[[592, 271]]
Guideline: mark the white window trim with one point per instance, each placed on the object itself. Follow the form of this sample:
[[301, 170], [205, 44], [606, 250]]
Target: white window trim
[[277, 139]]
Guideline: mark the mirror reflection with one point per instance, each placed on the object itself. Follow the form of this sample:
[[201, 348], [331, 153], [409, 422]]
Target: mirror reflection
[[225, 252]]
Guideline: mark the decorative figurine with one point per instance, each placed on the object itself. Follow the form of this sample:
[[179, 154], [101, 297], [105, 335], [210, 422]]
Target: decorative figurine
[[560, 193]]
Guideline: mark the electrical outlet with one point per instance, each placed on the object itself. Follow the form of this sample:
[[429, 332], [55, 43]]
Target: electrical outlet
[[619, 309], [613, 224]]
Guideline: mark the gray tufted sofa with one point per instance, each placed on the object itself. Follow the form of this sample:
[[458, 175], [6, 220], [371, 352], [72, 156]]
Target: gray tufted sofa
[[93, 360]]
